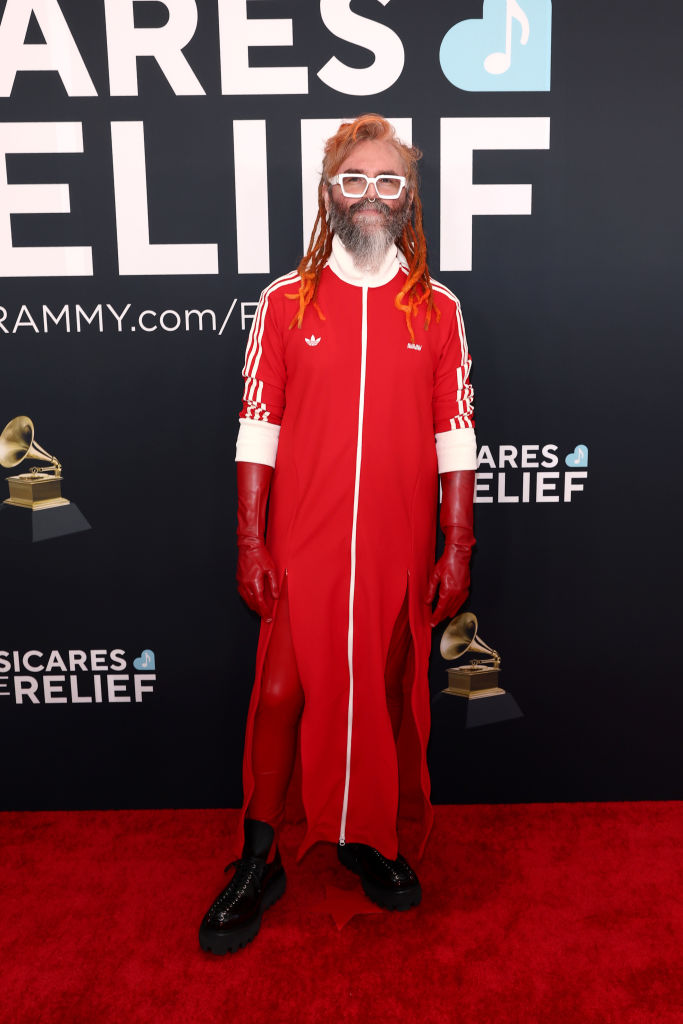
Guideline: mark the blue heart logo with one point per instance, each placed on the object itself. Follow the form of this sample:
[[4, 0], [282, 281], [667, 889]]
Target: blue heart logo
[[578, 459], [146, 662], [508, 50]]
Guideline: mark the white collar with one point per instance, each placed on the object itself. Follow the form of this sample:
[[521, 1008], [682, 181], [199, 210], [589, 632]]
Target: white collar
[[341, 263]]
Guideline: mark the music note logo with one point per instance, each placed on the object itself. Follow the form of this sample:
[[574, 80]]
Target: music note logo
[[472, 59], [498, 63], [579, 457], [146, 662]]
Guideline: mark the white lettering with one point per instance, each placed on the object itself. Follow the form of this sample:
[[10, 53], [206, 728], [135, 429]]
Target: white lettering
[[96, 313], [76, 697], [64, 312], [117, 658], [136, 254], [98, 660], [546, 482], [175, 320], [244, 306], [25, 686], [507, 455], [28, 658], [504, 498], [573, 481], [114, 688], [200, 314], [53, 685], [461, 199], [385, 46], [55, 661], [143, 324], [251, 197], [38, 260], [24, 319], [549, 456], [529, 456], [58, 53], [118, 317], [485, 458], [139, 685], [78, 659], [482, 484], [225, 318], [125, 43], [237, 33]]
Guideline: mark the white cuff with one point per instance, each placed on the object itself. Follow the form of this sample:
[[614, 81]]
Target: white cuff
[[257, 442], [456, 449]]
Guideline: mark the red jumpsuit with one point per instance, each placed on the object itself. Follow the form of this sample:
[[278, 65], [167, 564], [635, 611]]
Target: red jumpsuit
[[352, 523]]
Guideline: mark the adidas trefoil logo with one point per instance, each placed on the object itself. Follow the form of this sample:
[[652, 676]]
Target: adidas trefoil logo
[[313, 340], [411, 344]]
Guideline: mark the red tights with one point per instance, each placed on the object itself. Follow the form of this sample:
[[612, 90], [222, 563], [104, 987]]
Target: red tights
[[281, 702]]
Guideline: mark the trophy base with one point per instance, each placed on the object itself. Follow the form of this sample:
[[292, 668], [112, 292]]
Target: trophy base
[[25, 525], [35, 490], [48, 503], [473, 681], [493, 691], [468, 712]]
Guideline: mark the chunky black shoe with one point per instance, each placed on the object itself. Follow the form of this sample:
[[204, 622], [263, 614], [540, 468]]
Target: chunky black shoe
[[390, 883], [235, 917]]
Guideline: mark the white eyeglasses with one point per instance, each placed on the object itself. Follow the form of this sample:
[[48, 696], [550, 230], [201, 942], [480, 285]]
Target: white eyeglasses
[[354, 186]]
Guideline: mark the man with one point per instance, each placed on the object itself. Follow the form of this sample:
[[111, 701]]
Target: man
[[356, 399]]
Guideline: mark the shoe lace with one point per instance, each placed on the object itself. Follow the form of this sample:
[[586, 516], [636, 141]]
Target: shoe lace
[[399, 869], [248, 872]]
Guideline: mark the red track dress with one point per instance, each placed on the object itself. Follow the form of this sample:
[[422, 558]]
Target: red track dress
[[352, 521]]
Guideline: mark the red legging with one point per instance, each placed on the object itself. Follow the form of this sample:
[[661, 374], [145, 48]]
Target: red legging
[[281, 702]]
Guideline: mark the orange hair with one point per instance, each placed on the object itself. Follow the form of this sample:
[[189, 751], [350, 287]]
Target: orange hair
[[417, 287]]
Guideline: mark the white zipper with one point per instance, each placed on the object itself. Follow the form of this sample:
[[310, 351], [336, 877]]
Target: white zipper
[[352, 585]]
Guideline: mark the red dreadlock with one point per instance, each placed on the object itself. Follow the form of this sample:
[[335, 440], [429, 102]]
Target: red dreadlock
[[417, 287]]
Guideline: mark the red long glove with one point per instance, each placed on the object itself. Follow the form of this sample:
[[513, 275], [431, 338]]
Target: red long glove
[[451, 574], [256, 572]]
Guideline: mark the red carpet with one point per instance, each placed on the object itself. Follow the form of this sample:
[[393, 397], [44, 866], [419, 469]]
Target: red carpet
[[560, 914]]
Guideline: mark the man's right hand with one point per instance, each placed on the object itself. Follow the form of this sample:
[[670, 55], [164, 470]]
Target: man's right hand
[[257, 577]]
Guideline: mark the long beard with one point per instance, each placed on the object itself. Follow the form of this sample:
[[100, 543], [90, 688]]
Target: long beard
[[368, 243]]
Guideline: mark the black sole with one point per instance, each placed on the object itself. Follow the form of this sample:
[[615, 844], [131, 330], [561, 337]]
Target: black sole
[[219, 942], [393, 899]]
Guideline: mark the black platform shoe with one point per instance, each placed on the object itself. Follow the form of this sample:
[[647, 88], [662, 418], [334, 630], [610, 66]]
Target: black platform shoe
[[389, 883], [235, 917]]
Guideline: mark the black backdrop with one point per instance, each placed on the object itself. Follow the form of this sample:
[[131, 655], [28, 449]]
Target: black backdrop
[[572, 315]]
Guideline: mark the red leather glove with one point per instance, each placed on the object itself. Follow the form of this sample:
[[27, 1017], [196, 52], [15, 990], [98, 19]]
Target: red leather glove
[[451, 574], [256, 572]]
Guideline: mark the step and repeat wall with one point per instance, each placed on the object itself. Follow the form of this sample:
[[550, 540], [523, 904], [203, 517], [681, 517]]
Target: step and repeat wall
[[158, 167]]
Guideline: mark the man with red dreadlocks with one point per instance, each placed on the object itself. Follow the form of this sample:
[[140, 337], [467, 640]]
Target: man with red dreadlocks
[[356, 401]]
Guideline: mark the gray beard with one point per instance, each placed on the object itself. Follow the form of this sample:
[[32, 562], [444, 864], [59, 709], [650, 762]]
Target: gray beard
[[368, 243]]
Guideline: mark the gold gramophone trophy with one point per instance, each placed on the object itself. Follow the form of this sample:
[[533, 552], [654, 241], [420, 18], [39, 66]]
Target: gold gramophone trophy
[[37, 491], [478, 677], [38, 488], [476, 680]]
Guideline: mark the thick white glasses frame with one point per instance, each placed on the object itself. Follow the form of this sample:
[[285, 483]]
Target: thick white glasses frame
[[338, 179]]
